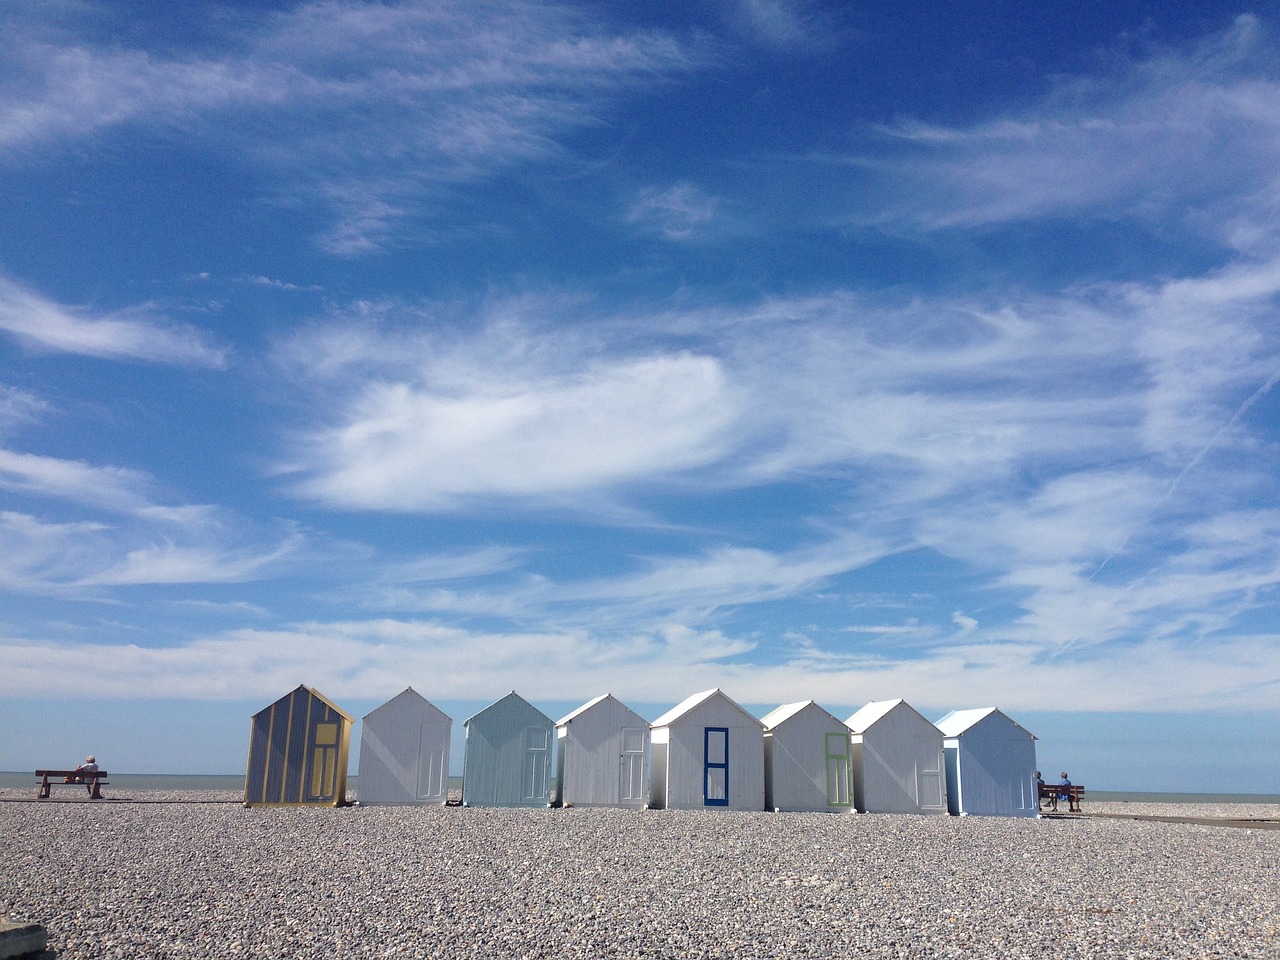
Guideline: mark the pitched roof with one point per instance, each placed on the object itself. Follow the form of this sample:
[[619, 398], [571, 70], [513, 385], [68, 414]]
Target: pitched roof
[[870, 713], [583, 709], [689, 703], [783, 713], [415, 699], [521, 702], [957, 722]]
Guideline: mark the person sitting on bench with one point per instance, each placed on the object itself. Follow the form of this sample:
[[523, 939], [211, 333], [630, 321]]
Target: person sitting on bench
[[90, 766], [1064, 794]]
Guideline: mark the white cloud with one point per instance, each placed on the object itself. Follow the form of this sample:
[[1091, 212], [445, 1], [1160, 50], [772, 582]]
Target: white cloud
[[18, 406], [679, 212], [365, 108], [82, 557], [376, 658], [789, 25], [1186, 137], [134, 334], [117, 488], [411, 446]]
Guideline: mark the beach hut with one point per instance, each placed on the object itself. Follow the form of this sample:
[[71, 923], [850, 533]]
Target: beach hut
[[707, 753], [508, 756], [991, 764], [602, 755], [897, 760], [806, 760], [404, 752], [298, 752]]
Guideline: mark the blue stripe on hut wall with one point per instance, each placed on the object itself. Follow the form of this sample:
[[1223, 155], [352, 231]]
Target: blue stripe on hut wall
[[298, 749]]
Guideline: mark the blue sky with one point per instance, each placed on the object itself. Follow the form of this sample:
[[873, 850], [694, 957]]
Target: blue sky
[[842, 352]]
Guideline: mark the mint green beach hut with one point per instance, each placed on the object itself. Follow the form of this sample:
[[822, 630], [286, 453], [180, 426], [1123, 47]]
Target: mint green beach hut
[[508, 755]]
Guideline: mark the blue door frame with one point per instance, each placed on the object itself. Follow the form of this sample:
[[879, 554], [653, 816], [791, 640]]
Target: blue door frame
[[715, 772]]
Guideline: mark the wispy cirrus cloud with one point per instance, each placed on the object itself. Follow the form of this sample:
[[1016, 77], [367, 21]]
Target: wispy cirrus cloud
[[365, 109], [1048, 443], [138, 333], [787, 25], [86, 558], [681, 211], [1184, 137]]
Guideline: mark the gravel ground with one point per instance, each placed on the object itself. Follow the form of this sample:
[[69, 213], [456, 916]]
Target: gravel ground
[[170, 880]]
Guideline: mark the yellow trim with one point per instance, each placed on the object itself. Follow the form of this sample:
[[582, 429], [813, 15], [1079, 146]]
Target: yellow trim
[[302, 774]]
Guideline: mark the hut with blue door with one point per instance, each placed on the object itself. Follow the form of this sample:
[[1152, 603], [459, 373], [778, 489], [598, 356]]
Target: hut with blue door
[[404, 752], [706, 753], [897, 760], [298, 752], [508, 755], [602, 756], [991, 764], [807, 760]]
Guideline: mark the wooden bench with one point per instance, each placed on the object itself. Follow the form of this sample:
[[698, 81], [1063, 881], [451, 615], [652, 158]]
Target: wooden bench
[[1054, 791], [71, 778]]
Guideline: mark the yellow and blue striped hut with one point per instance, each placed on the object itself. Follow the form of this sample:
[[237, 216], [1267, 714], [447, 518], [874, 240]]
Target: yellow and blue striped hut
[[298, 752]]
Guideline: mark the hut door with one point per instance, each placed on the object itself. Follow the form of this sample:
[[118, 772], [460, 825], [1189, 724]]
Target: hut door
[[537, 753], [631, 783], [324, 761], [929, 775], [837, 750], [431, 772], [715, 771]]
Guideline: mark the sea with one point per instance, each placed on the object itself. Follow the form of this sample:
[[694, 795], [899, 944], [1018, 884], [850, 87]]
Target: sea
[[171, 781]]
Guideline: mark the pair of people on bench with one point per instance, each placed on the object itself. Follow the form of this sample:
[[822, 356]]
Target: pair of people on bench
[[1060, 794]]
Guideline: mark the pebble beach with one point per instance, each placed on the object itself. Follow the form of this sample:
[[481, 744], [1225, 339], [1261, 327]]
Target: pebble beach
[[196, 876]]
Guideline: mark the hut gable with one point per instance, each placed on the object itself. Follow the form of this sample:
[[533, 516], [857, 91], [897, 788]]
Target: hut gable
[[404, 752], [508, 755], [807, 762], [602, 755], [707, 752], [990, 764], [897, 760], [298, 750]]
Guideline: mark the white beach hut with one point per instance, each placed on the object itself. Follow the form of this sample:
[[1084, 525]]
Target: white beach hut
[[602, 755], [897, 760], [707, 753], [807, 760], [991, 764], [404, 752], [508, 755]]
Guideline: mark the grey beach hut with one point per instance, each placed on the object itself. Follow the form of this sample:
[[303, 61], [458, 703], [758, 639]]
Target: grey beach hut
[[404, 752], [897, 760], [602, 755]]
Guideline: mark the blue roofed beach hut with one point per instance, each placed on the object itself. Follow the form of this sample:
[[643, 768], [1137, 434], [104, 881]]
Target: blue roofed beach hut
[[298, 752], [508, 756], [404, 752]]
